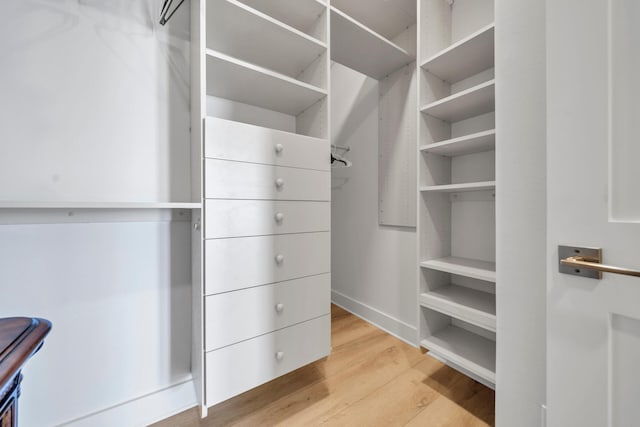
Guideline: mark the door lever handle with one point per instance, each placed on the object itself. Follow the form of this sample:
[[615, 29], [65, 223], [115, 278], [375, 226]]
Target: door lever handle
[[593, 264], [573, 260]]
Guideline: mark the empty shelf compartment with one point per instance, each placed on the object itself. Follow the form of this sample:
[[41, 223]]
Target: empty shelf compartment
[[464, 58], [472, 306], [475, 269], [359, 48], [240, 81], [467, 144], [466, 350], [468, 103]]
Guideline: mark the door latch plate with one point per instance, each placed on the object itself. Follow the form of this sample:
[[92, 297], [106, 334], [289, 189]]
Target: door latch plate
[[569, 251]]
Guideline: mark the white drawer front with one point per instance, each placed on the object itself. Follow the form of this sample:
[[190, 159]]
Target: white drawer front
[[240, 367], [232, 264], [237, 180], [228, 140], [238, 218], [236, 316]]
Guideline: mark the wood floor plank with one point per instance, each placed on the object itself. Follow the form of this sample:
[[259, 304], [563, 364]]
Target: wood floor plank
[[370, 379], [465, 403], [321, 400]]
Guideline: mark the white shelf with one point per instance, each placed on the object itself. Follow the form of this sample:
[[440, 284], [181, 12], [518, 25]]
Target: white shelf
[[358, 47], [475, 269], [98, 205], [472, 306], [472, 102], [241, 81], [387, 18], [459, 188], [239, 31], [465, 58], [300, 14], [473, 143], [465, 349]]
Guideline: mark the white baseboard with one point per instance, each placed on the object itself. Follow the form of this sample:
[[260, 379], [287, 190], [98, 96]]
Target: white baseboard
[[144, 410], [389, 324]]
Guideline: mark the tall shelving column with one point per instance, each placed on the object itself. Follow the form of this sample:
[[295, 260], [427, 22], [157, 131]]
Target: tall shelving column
[[456, 206], [260, 134]]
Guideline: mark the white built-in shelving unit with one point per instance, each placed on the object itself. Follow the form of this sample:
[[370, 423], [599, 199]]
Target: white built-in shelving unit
[[456, 180], [260, 131]]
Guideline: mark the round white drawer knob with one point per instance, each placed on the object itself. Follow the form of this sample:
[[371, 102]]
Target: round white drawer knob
[[279, 182], [279, 217], [279, 148], [279, 258], [279, 355], [279, 307]]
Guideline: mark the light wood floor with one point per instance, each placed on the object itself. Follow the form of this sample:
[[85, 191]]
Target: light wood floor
[[370, 379]]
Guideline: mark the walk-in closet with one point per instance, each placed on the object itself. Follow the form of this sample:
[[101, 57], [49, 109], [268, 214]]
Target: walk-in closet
[[220, 204]]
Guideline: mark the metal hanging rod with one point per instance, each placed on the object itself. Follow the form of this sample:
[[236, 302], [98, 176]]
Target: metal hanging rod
[[340, 147], [166, 7]]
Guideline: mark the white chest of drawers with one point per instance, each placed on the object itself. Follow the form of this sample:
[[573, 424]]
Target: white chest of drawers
[[266, 257]]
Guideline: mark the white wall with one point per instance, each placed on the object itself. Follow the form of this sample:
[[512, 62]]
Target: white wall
[[89, 85], [373, 266], [95, 107], [520, 211]]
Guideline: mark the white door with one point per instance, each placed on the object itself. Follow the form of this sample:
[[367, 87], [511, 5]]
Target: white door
[[593, 100]]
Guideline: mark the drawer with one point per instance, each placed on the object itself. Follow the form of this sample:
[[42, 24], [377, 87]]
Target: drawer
[[236, 316], [228, 140], [237, 218], [237, 180], [240, 367], [243, 262]]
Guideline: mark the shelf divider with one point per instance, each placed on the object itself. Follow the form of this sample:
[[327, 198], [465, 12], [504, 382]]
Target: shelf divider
[[97, 205], [470, 305], [459, 188], [237, 30], [467, 144], [240, 81], [476, 269], [468, 103], [300, 14]]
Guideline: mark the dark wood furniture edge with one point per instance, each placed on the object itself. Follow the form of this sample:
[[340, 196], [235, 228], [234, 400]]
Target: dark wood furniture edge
[[22, 348]]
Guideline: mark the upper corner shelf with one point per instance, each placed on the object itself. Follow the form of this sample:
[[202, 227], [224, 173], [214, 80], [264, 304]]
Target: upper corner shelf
[[237, 30], [468, 103], [465, 58], [240, 81], [358, 47], [300, 14]]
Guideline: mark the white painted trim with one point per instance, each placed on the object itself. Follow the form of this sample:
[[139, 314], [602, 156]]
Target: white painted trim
[[399, 329], [143, 410]]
